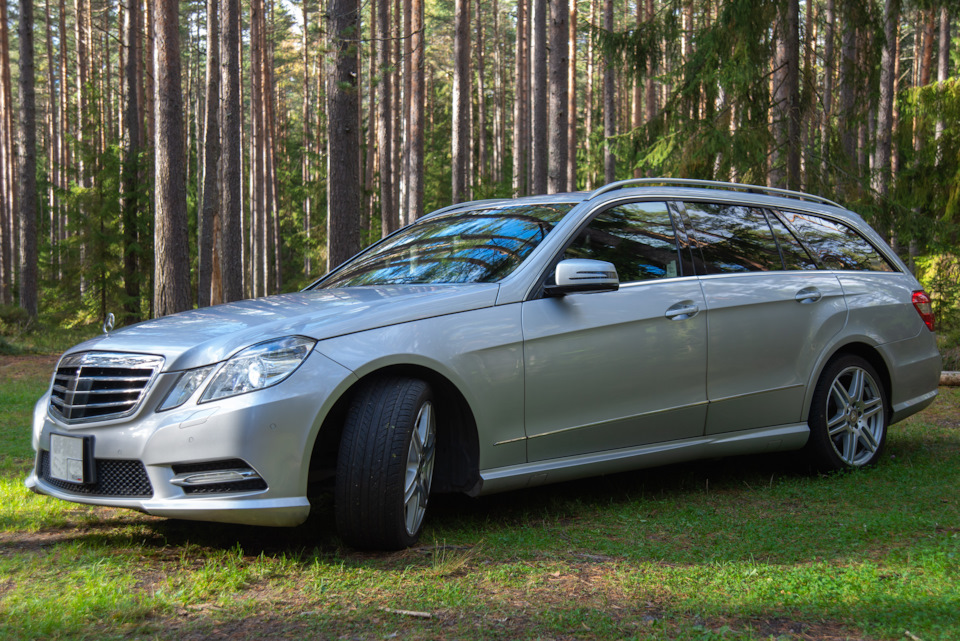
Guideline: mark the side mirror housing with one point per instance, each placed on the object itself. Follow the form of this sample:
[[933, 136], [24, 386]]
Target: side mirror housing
[[581, 275]]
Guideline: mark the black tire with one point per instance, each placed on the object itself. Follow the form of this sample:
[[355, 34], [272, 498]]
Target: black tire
[[849, 416], [384, 473]]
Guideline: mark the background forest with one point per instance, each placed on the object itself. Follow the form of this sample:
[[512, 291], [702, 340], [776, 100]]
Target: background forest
[[156, 155]]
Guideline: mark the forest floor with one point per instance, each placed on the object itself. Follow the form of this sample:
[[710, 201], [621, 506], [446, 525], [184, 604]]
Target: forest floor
[[741, 548]]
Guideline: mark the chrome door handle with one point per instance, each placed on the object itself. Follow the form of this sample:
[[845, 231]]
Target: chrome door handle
[[808, 295], [682, 311]]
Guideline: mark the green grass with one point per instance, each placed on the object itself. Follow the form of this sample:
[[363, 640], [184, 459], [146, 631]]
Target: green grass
[[744, 548]]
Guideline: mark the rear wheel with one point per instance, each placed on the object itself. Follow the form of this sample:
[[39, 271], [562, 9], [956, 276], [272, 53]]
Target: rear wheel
[[386, 461], [848, 417]]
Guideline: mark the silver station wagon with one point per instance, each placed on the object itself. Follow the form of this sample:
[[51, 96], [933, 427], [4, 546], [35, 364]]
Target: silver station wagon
[[504, 344]]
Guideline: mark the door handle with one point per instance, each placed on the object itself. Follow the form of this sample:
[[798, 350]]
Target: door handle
[[682, 311], [808, 295]]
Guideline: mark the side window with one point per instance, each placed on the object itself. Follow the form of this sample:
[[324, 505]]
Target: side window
[[638, 238], [838, 246], [794, 254], [733, 238]]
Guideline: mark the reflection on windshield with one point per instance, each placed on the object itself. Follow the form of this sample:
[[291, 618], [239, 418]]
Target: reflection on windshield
[[476, 246]]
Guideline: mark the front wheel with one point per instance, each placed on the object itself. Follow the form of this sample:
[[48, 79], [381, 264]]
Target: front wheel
[[385, 465], [848, 416]]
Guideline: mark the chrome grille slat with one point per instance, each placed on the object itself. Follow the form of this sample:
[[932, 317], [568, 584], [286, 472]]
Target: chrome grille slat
[[97, 386]]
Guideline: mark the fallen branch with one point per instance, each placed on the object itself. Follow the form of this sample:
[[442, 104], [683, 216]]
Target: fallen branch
[[408, 613], [951, 379], [911, 636]]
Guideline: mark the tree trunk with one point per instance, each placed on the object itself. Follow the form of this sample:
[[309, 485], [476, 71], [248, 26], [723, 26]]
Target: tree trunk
[[305, 146], [230, 246], [847, 116], [416, 103], [881, 176], [27, 153], [53, 152], [482, 154], [520, 105], [7, 226], [943, 64], [83, 113], [572, 99], [343, 159], [388, 214], [172, 254], [609, 115], [559, 94], [539, 154], [785, 170], [211, 159], [130, 168], [461, 101], [828, 37]]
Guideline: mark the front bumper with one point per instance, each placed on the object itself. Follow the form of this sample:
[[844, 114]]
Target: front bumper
[[271, 431]]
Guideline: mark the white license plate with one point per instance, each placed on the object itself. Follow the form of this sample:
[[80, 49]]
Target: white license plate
[[66, 458]]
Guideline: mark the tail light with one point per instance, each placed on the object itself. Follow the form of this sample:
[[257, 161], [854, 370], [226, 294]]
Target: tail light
[[923, 306]]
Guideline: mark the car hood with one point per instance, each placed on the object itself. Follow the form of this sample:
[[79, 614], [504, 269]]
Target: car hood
[[203, 336]]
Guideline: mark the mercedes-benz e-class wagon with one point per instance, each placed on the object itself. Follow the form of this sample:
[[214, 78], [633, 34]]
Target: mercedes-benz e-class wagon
[[504, 344]]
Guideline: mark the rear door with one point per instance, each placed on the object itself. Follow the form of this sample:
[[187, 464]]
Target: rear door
[[771, 315]]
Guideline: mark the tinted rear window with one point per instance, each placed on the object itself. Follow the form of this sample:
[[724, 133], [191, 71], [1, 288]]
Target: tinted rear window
[[837, 245]]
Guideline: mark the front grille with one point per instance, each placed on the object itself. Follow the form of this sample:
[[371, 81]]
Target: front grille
[[100, 385], [115, 478]]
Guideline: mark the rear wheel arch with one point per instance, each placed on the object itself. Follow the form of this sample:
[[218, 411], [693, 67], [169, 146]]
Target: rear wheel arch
[[865, 351]]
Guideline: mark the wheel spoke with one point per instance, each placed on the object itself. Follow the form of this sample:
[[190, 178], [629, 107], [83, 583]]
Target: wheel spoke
[[868, 440], [840, 395], [849, 448], [837, 424], [872, 408], [857, 385]]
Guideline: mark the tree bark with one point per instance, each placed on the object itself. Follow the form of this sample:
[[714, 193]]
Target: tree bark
[[27, 153], [130, 168], [559, 94], [230, 245], [343, 160], [881, 176], [609, 115], [305, 146], [211, 160], [785, 170], [828, 37], [572, 99], [172, 254], [7, 196], [461, 101], [520, 105], [847, 116], [482, 146], [416, 103], [388, 214], [539, 154]]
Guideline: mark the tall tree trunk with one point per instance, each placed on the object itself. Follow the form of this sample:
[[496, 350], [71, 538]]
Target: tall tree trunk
[[785, 170], [847, 116], [130, 169], [172, 254], [572, 99], [211, 159], [881, 176], [81, 11], [520, 104], [305, 147], [609, 115], [650, 106], [230, 242], [943, 69], [416, 103], [828, 62], [370, 165], [388, 215], [7, 209], [63, 136], [638, 93], [461, 101], [53, 152], [482, 155], [499, 120], [27, 153], [258, 219], [539, 154], [343, 160], [559, 94]]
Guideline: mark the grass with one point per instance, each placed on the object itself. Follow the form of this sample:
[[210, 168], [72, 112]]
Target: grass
[[743, 548]]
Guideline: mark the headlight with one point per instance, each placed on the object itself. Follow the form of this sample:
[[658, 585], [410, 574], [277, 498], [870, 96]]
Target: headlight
[[186, 385], [258, 367]]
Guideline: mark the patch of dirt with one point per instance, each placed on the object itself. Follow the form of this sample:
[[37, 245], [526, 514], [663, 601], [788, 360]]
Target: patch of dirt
[[15, 368]]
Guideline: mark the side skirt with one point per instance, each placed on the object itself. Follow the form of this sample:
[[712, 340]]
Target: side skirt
[[768, 439]]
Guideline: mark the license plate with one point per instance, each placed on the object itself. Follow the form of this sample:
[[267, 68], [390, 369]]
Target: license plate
[[69, 459]]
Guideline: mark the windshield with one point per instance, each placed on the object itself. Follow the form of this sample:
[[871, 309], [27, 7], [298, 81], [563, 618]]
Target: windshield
[[474, 246]]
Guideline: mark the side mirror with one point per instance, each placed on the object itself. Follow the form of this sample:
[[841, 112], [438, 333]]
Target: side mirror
[[581, 275]]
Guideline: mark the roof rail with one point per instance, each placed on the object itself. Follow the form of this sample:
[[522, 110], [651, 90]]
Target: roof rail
[[710, 184]]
